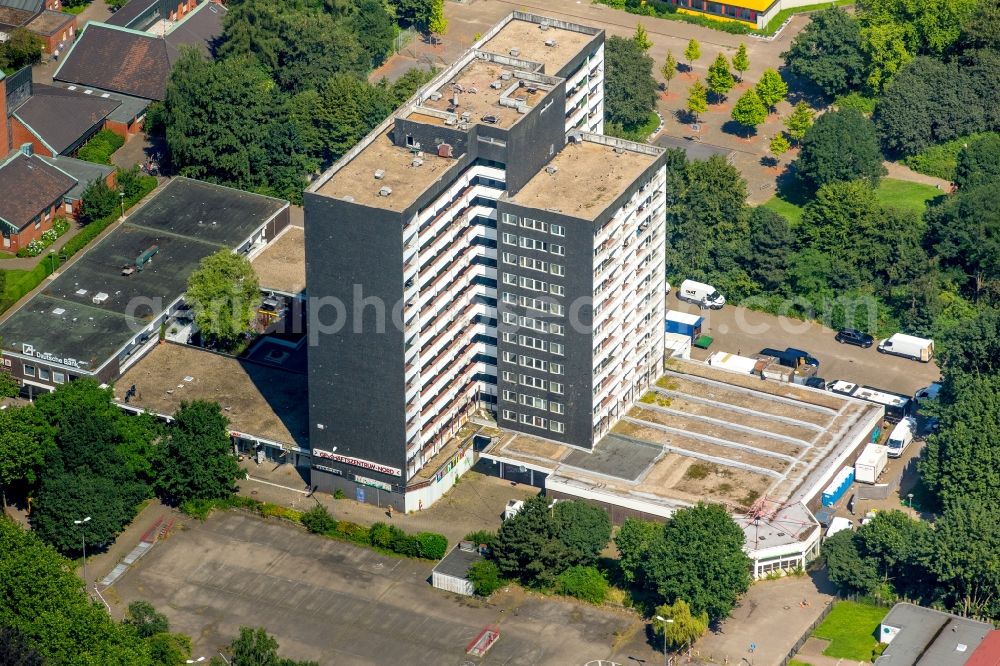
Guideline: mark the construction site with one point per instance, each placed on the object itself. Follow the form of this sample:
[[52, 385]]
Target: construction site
[[763, 448]]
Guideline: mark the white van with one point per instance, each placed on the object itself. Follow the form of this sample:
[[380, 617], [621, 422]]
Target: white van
[[910, 346], [701, 294], [900, 437]]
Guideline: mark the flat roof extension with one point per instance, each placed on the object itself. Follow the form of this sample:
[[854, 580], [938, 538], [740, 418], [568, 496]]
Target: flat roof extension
[[281, 265], [527, 37]]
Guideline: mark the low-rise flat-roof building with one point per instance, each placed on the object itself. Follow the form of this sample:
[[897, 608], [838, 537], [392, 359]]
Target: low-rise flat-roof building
[[918, 636], [281, 266], [103, 312], [32, 194]]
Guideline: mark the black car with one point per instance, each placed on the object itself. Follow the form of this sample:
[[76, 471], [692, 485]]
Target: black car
[[816, 383], [850, 336]]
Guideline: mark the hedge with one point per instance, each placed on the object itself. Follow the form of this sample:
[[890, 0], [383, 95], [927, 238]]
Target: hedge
[[100, 147]]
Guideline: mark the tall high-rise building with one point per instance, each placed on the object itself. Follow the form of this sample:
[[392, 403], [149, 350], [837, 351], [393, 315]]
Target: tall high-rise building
[[486, 246]]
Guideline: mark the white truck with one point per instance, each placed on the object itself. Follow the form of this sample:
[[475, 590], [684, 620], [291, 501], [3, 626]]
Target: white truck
[[901, 436], [701, 294], [870, 463], [908, 346]]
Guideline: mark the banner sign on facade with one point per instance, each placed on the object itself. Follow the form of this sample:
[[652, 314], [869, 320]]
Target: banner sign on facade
[[358, 462]]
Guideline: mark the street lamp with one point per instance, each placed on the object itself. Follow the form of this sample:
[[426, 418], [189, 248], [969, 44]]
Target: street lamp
[[909, 496], [52, 261], [83, 537], [121, 195], [665, 622]]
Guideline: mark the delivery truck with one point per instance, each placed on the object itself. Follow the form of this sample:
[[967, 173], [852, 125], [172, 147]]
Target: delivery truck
[[701, 294], [901, 436], [908, 346], [870, 464]]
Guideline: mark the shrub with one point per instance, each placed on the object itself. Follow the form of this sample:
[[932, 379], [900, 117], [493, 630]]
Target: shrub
[[432, 546], [856, 100], [339, 494], [100, 147], [353, 532], [60, 225], [485, 577], [482, 538], [318, 520], [380, 535], [585, 583], [404, 544]]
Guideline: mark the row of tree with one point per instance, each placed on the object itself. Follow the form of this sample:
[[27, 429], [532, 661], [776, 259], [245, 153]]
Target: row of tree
[[75, 454]]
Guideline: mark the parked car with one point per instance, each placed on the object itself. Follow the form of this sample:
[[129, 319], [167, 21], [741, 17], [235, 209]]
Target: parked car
[[807, 358], [850, 336], [817, 383], [791, 357]]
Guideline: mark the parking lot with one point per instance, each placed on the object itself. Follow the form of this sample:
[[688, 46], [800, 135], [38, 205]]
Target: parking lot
[[737, 329], [336, 603]]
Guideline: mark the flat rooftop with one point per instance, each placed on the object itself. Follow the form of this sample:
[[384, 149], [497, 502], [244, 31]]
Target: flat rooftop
[[258, 399], [588, 177], [281, 266], [529, 40], [356, 181], [704, 434], [90, 310], [473, 87], [929, 637]]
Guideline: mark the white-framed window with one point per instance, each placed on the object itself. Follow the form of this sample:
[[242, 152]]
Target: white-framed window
[[510, 278], [510, 395], [510, 298], [533, 382], [556, 426], [558, 270], [509, 317], [509, 219], [556, 407], [510, 337], [58, 377], [533, 324], [556, 368], [556, 309], [510, 239], [557, 230], [532, 244], [532, 401], [556, 329], [537, 225], [532, 343], [556, 290], [533, 363], [509, 376], [557, 250], [509, 357], [43, 373], [509, 258], [557, 348], [534, 264], [556, 388], [533, 303], [29, 371], [509, 415], [536, 421], [533, 284]]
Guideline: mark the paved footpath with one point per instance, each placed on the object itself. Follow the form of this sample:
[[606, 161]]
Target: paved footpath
[[902, 172]]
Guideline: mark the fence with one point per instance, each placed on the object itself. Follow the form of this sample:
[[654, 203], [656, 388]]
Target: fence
[[806, 634]]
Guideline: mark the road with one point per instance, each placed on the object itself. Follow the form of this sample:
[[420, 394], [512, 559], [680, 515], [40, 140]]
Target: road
[[737, 329]]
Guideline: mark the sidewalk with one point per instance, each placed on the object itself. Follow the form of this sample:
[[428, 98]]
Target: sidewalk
[[903, 172], [28, 263]]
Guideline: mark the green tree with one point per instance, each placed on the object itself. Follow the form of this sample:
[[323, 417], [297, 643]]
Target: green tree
[[97, 202], [25, 442], [692, 53], [146, 620], [700, 559], [799, 121], [841, 145], [10, 387], [21, 49], [583, 528], [886, 49], [633, 541], [847, 567], [771, 244], [584, 582], [196, 460], [15, 650], [669, 69], [741, 61], [926, 27], [375, 29], [720, 79], [437, 25], [641, 38], [779, 145], [771, 88], [749, 111], [169, 649], [829, 53], [683, 628], [629, 86], [254, 647], [963, 232], [413, 12], [318, 520], [527, 547], [224, 293], [965, 556], [697, 101], [896, 543], [485, 577], [972, 347], [979, 162]]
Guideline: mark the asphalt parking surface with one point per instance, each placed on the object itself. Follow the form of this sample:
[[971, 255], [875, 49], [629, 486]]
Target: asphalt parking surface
[[743, 331]]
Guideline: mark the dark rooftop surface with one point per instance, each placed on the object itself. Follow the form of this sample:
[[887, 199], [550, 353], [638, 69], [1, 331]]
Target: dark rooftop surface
[[187, 221], [617, 457], [84, 172], [49, 22], [930, 638], [201, 28], [457, 562], [61, 117], [126, 15], [27, 186], [33, 6], [14, 17], [118, 60]]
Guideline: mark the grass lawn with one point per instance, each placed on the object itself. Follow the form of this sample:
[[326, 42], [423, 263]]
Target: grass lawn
[[891, 192], [783, 15], [796, 662], [850, 627]]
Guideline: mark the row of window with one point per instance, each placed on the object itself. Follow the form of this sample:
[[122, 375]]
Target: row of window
[[554, 309], [533, 363], [533, 284], [44, 374], [534, 264], [533, 382], [534, 244], [533, 324], [534, 402], [536, 421], [536, 225], [530, 342]]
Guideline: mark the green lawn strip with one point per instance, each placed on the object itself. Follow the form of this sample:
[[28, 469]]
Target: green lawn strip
[[796, 662], [850, 627], [638, 134], [786, 209], [905, 194], [783, 15]]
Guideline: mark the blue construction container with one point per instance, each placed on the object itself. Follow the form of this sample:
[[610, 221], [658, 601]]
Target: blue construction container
[[683, 323], [838, 486]]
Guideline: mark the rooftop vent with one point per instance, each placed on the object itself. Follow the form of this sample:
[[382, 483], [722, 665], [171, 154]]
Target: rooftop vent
[[379, 174], [550, 169], [59, 311], [417, 162], [619, 150], [515, 52], [435, 96], [505, 76], [550, 42], [450, 120], [100, 297], [496, 85], [445, 150], [491, 120], [385, 191], [81, 292], [466, 116], [543, 26], [575, 137], [348, 198]]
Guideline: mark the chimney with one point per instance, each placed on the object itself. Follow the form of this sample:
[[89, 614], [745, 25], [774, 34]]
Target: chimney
[[4, 124], [27, 149]]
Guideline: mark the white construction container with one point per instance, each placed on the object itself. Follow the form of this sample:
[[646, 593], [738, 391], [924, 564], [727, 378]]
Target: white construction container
[[870, 464], [732, 362]]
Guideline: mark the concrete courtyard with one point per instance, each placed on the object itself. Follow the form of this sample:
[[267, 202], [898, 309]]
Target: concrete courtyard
[[336, 603]]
